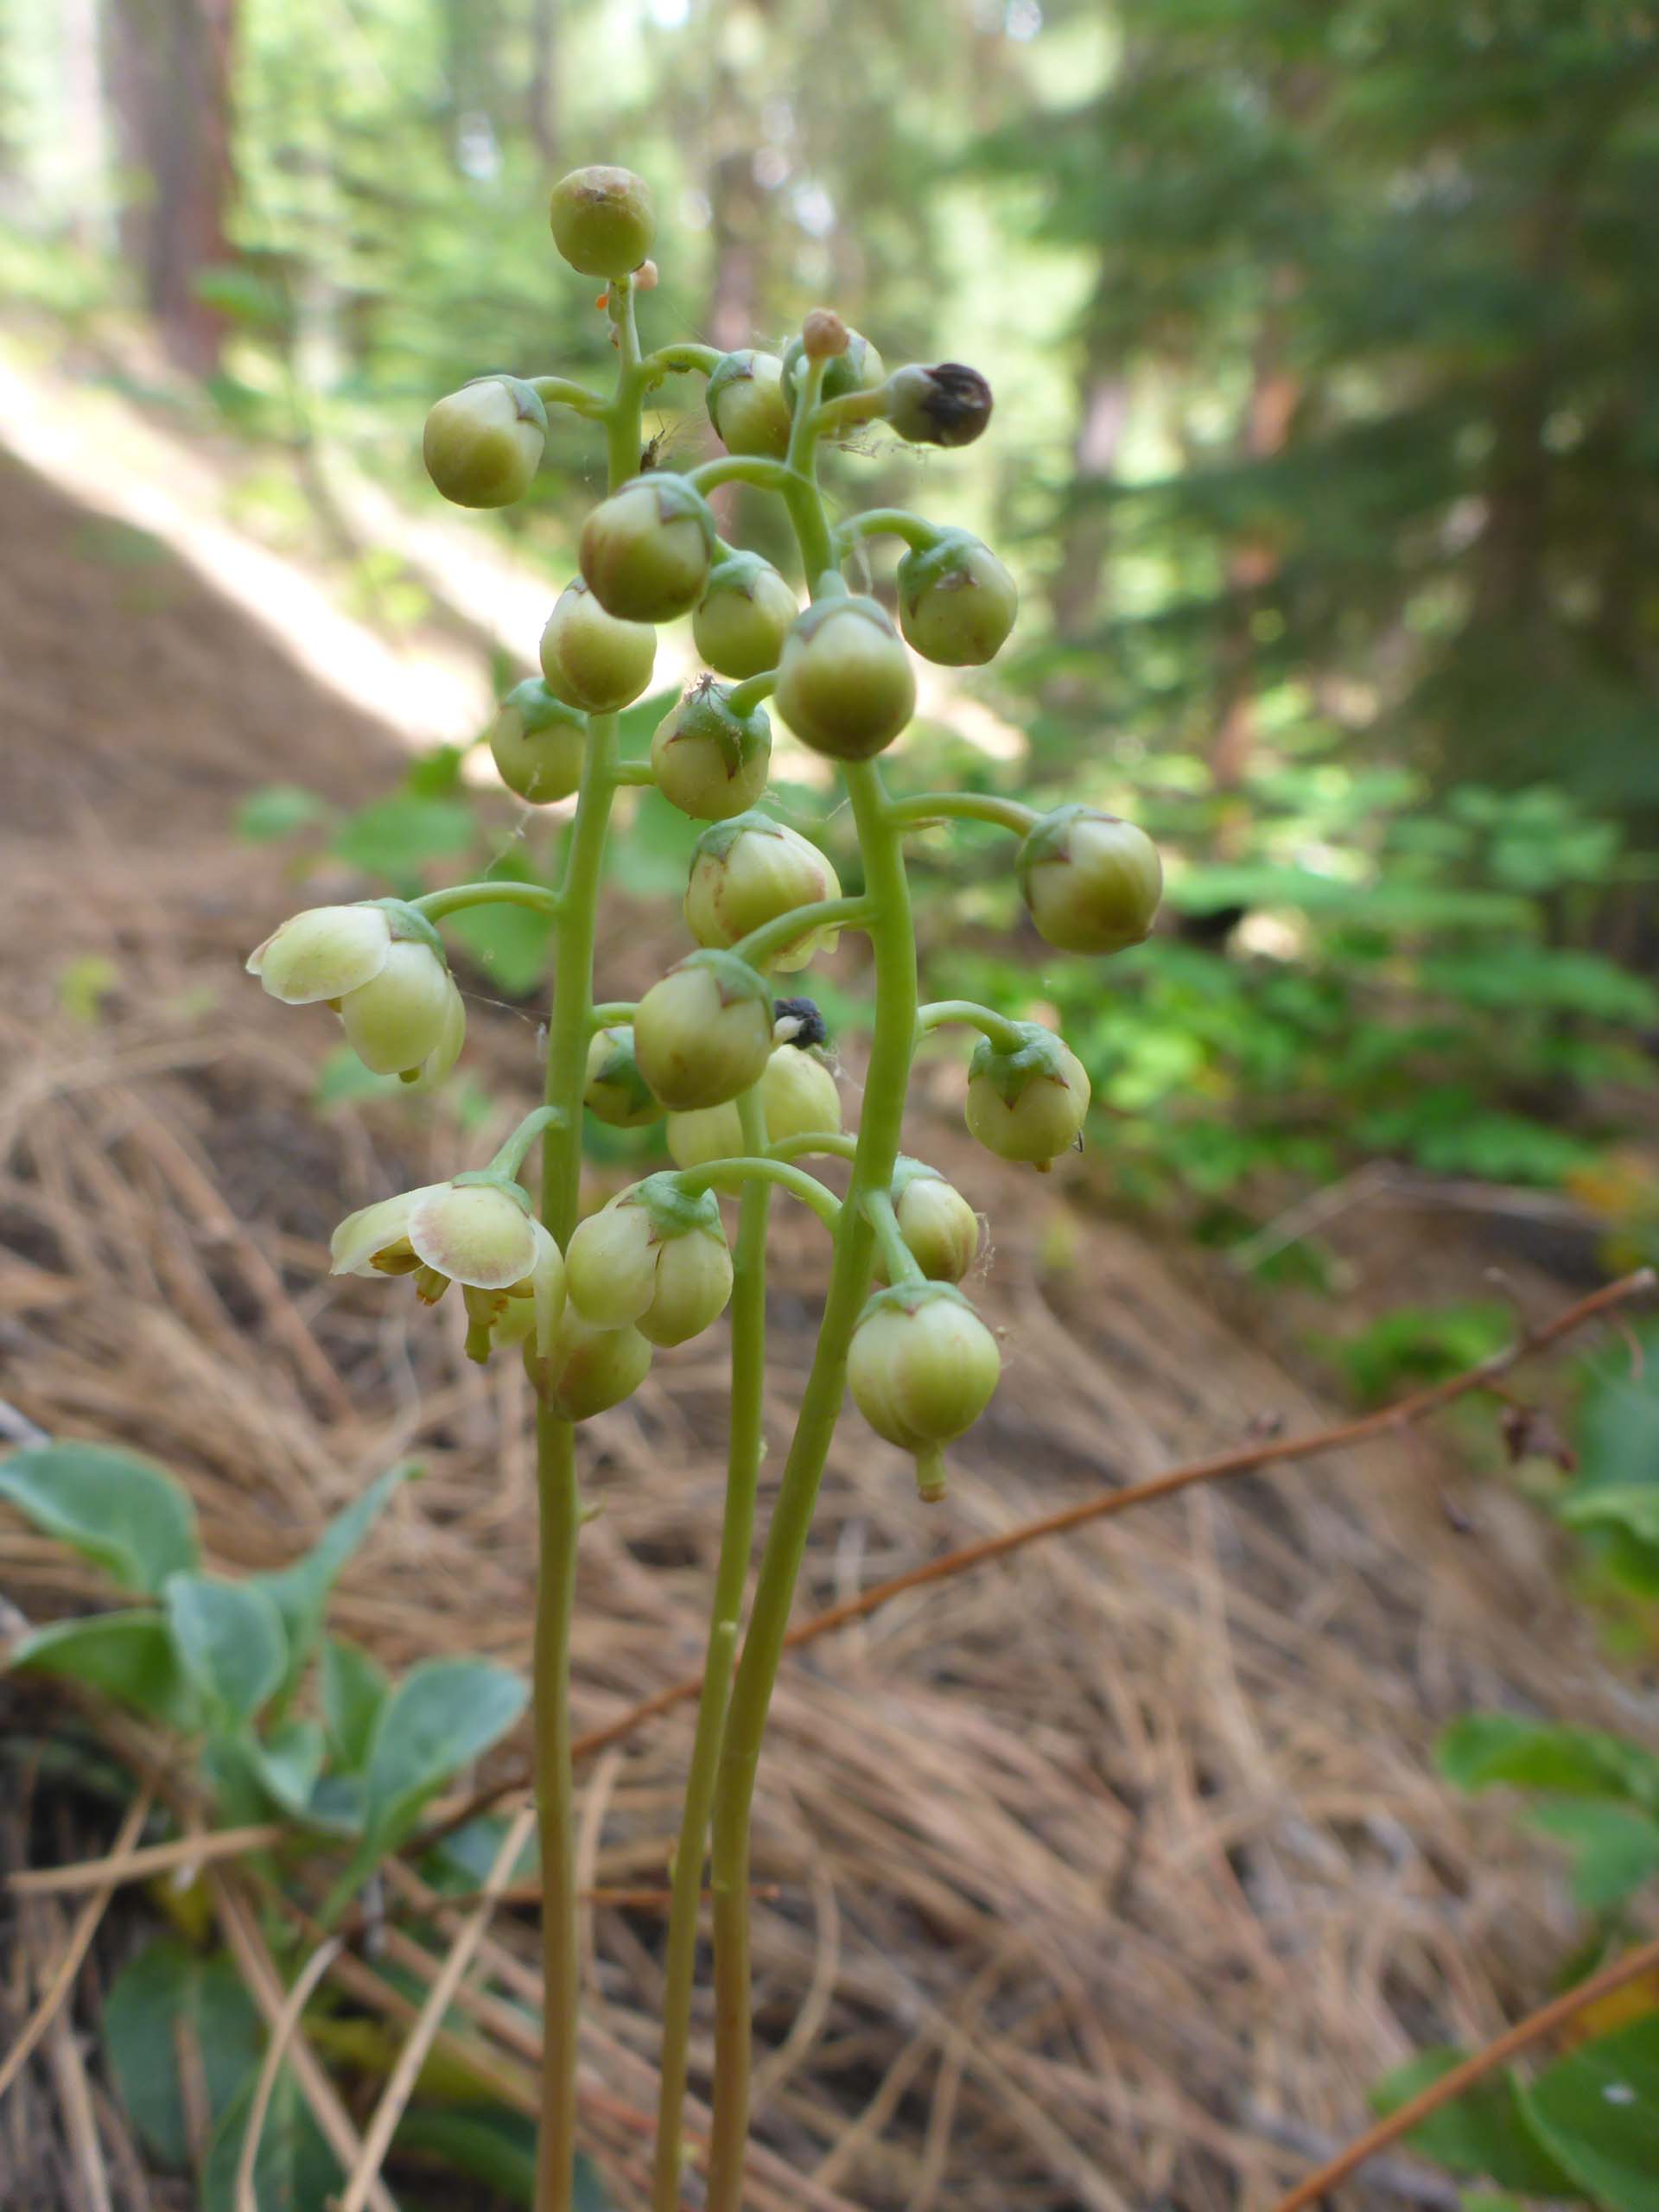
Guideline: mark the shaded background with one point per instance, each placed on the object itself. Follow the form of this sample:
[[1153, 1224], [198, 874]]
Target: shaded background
[[1326, 451]]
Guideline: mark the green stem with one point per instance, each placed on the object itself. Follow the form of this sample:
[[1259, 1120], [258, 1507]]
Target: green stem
[[638, 773], [744, 1446], [783, 930], [559, 392], [724, 1175], [743, 698], [682, 360], [893, 940], [928, 808], [891, 522], [1007, 1036], [437, 904], [568, 1027], [739, 468], [831, 1142], [896, 1257], [516, 1150], [610, 1010]]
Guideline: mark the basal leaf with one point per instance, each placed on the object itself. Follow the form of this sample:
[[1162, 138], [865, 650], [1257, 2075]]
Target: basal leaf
[[165, 1991], [1598, 2113], [300, 1592], [128, 1515], [442, 1716], [294, 2170], [354, 1688], [1483, 1749], [1615, 1848], [1482, 2133], [128, 1657], [230, 1640]]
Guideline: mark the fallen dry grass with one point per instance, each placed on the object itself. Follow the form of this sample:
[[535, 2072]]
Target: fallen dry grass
[[1107, 1878]]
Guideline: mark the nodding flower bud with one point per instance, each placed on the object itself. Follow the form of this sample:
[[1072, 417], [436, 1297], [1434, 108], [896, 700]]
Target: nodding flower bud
[[704, 1033], [922, 1369], [537, 743], [380, 966], [845, 684], [592, 659], [856, 367], [656, 1257], [1091, 881], [602, 220], [476, 1230], [823, 335], [941, 404], [744, 615], [749, 870], [645, 550], [1027, 1104], [956, 602], [483, 444], [708, 761], [587, 1371], [748, 407], [797, 1095], [616, 1092], [935, 1220]]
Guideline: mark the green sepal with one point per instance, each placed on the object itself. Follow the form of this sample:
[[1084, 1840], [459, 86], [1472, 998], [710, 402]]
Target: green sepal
[[734, 978], [539, 708], [409, 925], [737, 571], [717, 840], [927, 565], [621, 1070], [910, 1298], [705, 712], [531, 406], [1049, 839], [471, 1178], [674, 1210], [730, 369], [812, 619], [1009, 1072], [677, 498]]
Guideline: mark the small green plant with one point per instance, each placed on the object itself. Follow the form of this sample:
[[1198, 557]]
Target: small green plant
[[1584, 2128], [736, 1069]]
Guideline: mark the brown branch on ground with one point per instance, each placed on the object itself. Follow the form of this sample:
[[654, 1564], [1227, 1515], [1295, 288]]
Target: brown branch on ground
[[1405, 1412], [1556, 2014]]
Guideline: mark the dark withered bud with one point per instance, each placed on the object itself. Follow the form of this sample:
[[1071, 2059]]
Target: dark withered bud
[[810, 1026], [938, 404]]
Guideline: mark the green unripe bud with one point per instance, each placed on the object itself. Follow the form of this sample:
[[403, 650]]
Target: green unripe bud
[[1091, 881], [645, 551], [592, 659], [704, 1033], [940, 404], [708, 761], [936, 1222], [537, 743], [483, 444], [603, 220], [657, 1257], [1027, 1104], [588, 1369], [797, 1094], [744, 615], [616, 1092], [956, 602], [845, 684], [922, 1368], [746, 872], [857, 367], [748, 407]]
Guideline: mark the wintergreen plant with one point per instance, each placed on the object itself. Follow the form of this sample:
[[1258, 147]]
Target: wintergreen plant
[[739, 1072]]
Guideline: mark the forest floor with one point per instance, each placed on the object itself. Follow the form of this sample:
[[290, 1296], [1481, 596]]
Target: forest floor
[[1108, 1878]]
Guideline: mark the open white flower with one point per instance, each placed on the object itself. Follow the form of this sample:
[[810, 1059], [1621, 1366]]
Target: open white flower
[[475, 1232], [382, 973]]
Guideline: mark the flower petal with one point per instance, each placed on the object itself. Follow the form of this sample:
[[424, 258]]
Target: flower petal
[[322, 954], [404, 1012], [474, 1234], [371, 1229]]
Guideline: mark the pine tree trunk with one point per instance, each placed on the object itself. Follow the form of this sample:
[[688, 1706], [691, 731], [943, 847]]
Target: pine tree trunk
[[169, 74]]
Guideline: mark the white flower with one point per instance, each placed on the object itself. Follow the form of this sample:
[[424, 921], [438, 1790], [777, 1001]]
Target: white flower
[[479, 1234], [396, 998]]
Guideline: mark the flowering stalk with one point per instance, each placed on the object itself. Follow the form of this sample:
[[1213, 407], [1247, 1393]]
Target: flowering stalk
[[740, 1074]]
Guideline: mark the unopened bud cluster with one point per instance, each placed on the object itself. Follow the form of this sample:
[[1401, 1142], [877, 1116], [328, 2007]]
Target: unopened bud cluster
[[652, 1268]]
